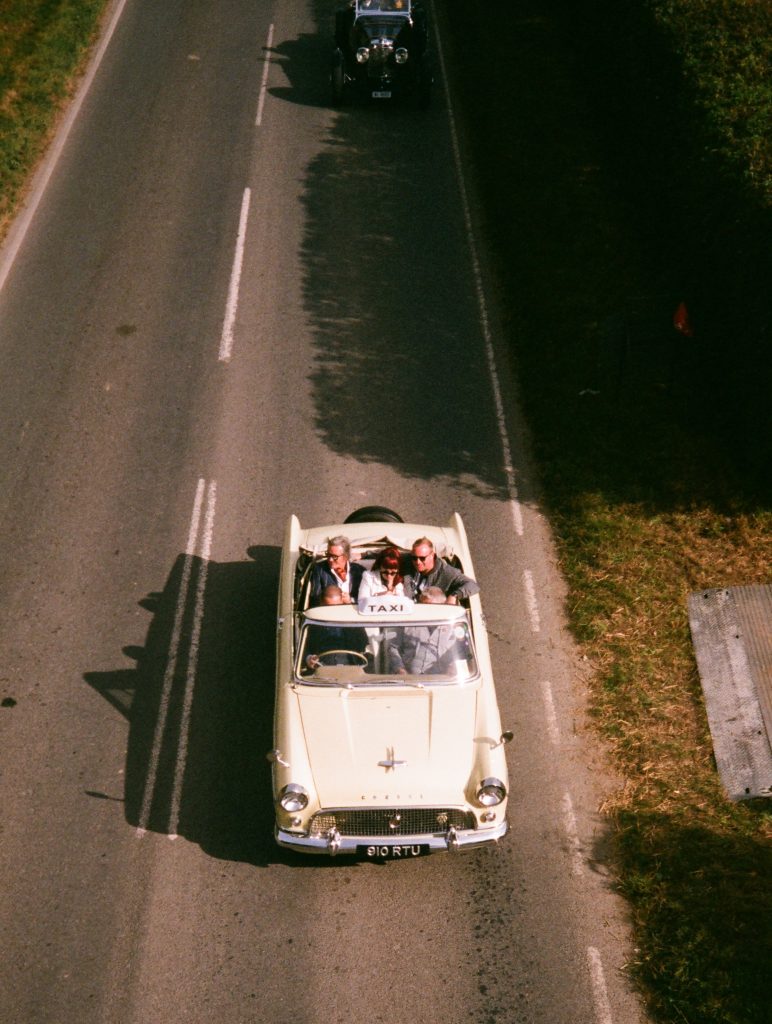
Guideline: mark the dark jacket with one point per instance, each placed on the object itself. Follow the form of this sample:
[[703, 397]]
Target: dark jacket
[[321, 577], [322, 638]]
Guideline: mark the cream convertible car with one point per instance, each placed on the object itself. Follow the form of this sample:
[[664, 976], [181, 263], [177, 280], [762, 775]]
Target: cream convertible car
[[368, 761]]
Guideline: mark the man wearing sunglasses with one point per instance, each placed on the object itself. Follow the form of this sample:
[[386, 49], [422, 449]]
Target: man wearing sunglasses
[[427, 570]]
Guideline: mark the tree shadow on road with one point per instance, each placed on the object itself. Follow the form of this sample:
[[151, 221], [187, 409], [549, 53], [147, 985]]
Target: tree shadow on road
[[399, 375]]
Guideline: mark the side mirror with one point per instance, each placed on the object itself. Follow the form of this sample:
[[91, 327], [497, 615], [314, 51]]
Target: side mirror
[[508, 736]]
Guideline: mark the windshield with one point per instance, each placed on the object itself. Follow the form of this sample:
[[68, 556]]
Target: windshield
[[385, 6], [340, 653]]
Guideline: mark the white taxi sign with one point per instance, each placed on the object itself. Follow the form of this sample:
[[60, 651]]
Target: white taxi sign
[[385, 604]]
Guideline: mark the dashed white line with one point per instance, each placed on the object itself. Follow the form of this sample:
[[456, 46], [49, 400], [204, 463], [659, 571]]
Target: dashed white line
[[264, 81], [171, 664], [509, 469], [226, 341], [530, 600], [598, 982], [572, 835], [553, 729], [190, 678]]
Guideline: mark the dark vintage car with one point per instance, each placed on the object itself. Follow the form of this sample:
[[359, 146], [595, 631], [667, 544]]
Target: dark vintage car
[[381, 52]]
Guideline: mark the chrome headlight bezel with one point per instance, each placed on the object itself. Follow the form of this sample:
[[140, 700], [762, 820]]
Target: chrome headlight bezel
[[401, 55], [362, 55], [491, 792], [293, 798]]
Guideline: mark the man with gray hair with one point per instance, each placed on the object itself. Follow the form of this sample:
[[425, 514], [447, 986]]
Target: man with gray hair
[[337, 570]]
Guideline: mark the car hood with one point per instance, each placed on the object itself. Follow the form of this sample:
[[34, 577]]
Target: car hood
[[371, 28], [424, 737]]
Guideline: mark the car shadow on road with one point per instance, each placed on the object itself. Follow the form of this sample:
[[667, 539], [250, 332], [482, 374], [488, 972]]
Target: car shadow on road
[[304, 61], [200, 709]]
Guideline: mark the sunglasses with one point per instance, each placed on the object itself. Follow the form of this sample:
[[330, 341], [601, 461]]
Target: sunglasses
[[421, 558], [388, 572]]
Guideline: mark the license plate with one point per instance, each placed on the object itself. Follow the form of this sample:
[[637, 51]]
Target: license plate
[[399, 852], [382, 94]]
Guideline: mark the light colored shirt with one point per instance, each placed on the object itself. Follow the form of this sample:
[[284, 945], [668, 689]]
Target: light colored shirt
[[373, 586]]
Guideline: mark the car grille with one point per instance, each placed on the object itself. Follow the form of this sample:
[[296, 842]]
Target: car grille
[[387, 822]]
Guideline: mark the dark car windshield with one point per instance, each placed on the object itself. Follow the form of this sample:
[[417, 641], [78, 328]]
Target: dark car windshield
[[383, 6]]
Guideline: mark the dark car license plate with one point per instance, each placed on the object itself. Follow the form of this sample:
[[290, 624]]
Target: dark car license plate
[[396, 852], [382, 94]]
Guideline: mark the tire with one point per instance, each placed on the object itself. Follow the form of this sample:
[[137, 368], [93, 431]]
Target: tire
[[338, 90], [374, 514]]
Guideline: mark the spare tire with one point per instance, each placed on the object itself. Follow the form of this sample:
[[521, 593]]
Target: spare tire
[[374, 514]]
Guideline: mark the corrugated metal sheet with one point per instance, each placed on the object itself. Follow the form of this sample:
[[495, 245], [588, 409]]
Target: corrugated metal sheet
[[732, 637]]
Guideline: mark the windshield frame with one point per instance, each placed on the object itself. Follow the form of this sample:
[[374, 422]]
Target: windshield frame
[[381, 631], [374, 8]]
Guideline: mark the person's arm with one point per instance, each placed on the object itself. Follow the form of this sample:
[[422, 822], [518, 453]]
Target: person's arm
[[365, 587], [396, 653], [459, 585], [318, 582]]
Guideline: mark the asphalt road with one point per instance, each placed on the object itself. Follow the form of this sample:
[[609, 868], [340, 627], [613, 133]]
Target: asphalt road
[[234, 303]]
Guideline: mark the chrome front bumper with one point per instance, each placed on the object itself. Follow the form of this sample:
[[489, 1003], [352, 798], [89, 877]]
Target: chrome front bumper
[[333, 843]]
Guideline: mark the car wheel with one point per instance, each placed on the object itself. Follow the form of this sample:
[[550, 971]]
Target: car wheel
[[374, 514]]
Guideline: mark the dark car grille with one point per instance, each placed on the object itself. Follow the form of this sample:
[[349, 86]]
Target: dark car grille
[[388, 822]]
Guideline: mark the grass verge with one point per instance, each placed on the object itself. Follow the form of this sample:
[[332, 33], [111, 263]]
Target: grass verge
[[42, 45], [612, 188]]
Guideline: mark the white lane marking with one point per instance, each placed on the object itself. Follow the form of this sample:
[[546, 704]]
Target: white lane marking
[[572, 834], [553, 729], [509, 469], [530, 600], [171, 664], [22, 223], [599, 992], [264, 81], [190, 678], [226, 341]]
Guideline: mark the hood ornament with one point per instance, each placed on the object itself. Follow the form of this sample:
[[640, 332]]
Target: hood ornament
[[389, 763]]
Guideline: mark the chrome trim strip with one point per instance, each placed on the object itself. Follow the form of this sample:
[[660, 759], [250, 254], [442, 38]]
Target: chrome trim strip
[[466, 840]]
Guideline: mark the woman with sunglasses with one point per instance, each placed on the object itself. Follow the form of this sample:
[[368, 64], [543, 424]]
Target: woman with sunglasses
[[384, 577]]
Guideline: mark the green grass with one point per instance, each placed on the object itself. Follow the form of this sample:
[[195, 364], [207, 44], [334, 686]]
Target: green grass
[[622, 168], [42, 44], [725, 50]]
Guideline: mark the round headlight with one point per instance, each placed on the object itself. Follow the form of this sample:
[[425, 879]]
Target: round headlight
[[491, 792], [400, 55], [362, 54], [293, 797]]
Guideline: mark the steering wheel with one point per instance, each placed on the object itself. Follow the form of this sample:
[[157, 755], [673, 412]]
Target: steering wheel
[[342, 650]]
